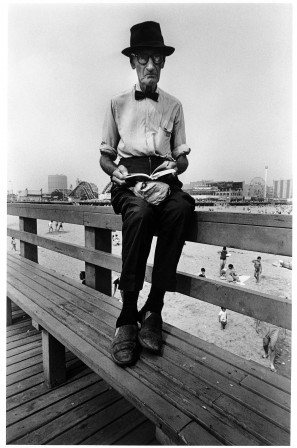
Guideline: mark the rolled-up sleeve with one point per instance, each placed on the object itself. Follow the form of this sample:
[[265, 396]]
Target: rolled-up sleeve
[[110, 133], [178, 141]]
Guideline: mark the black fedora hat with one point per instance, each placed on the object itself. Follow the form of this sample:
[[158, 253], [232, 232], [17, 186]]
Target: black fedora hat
[[149, 35]]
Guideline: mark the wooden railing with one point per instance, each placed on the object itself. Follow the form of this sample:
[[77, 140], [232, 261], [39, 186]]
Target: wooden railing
[[262, 233]]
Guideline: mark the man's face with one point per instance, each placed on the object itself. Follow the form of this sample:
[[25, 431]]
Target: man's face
[[149, 73]]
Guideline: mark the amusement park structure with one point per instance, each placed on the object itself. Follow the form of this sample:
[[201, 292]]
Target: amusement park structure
[[83, 191]]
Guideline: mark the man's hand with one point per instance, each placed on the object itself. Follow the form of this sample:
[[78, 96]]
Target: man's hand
[[166, 166], [116, 173], [119, 174], [180, 165]]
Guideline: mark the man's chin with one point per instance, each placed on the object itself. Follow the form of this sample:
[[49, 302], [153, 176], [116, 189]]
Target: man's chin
[[151, 83]]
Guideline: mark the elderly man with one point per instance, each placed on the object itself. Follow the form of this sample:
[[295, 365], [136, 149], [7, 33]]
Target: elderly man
[[144, 128]]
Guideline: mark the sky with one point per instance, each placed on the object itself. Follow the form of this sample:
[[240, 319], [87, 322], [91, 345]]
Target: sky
[[232, 71]]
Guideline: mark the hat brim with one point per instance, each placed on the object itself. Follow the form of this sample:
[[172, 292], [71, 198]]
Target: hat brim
[[163, 49]]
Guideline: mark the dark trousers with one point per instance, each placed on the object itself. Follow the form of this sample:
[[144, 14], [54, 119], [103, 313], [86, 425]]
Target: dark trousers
[[141, 221]]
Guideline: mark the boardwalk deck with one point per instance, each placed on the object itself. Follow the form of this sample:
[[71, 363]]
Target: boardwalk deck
[[84, 410]]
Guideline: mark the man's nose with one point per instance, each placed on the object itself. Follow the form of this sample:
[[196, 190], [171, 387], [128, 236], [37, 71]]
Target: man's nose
[[150, 65]]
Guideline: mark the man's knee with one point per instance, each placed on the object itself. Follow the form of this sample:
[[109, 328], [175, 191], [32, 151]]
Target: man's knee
[[181, 204], [139, 211]]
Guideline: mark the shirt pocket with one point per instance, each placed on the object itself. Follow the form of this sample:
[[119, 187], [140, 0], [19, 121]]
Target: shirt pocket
[[163, 138], [167, 128]]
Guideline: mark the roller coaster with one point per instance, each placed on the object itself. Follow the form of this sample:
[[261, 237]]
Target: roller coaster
[[83, 191]]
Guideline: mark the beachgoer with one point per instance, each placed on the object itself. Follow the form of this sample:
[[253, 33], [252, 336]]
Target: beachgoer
[[50, 226], [223, 317], [145, 128], [258, 269], [56, 226], [82, 276], [231, 275], [115, 240], [13, 243], [60, 226], [202, 273], [223, 257], [116, 284], [270, 336]]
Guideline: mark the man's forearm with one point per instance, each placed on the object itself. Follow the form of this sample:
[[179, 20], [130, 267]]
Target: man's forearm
[[107, 164], [116, 173], [182, 164]]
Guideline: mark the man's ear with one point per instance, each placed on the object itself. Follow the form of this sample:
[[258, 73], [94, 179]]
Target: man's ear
[[132, 62]]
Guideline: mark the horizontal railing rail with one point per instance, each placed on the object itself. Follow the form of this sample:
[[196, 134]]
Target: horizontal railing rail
[[238, 230], [261, 233]]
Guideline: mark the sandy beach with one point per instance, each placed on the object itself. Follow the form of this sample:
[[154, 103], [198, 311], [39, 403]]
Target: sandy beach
[[191, 315]]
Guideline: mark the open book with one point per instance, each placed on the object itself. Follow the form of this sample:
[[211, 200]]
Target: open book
[[141, 177]]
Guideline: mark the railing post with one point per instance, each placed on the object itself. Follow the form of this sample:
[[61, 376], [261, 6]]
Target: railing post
[[28, 250], [97, 277], [8, 312]]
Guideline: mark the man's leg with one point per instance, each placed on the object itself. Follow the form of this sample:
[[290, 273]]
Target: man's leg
[[139, 226], [137, 233], [174, 216], [265, 346], [273, 341]]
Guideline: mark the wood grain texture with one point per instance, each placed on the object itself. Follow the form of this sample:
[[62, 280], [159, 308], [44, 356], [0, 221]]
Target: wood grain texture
[[193, 392]]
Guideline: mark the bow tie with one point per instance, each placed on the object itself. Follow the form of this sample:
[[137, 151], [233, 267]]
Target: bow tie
[[139, 95]]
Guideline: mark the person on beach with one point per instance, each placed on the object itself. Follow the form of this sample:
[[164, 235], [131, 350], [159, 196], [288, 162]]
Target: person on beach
[[60, 226], [202, 273], [223, 257], [223, 317], [231, 275], [258, 269], [115, 240], [116, 283], [82, 276], [145, 128], [270, 337], [50, 226], [13, 243], [56, 226]]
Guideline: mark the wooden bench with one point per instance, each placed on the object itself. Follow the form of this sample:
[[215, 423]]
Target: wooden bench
[[195, 393]]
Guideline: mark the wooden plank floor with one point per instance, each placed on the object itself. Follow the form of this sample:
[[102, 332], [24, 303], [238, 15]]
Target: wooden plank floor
[[85, 410]]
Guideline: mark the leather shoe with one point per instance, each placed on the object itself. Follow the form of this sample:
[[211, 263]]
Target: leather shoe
[[150, 334], [124, 345]]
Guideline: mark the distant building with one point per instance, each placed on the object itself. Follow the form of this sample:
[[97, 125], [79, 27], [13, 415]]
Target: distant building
[[32, 196], [283, 189], [57, 182], [269, 192], [225, 190]]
